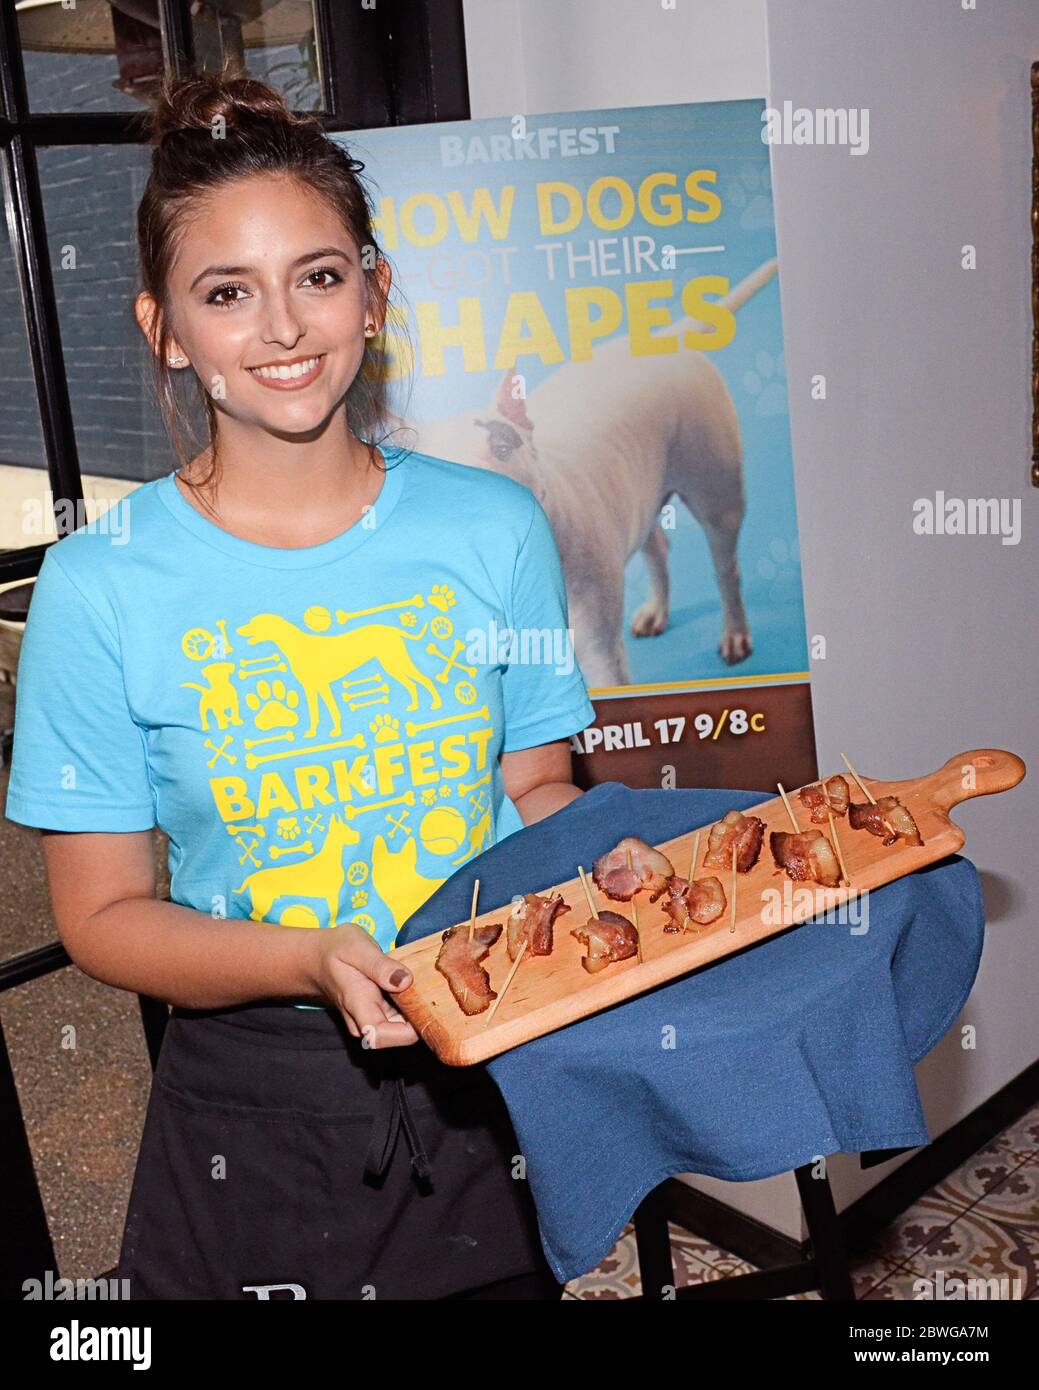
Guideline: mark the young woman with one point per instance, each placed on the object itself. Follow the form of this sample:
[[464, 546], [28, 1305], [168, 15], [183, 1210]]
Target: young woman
[[269, 659]]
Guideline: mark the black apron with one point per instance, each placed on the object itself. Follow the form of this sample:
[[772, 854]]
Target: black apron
[[281, 1159]]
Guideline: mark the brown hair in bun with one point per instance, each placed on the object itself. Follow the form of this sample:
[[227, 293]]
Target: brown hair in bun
[[209, 130]]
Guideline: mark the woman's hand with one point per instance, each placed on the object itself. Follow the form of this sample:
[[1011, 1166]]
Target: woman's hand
[[351, 972]]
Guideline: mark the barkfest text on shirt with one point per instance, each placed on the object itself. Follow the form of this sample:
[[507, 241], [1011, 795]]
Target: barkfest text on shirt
[[372, 775], [394, 751]]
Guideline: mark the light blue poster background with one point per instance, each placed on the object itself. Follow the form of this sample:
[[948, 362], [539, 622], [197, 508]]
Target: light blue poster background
[[456, 158]]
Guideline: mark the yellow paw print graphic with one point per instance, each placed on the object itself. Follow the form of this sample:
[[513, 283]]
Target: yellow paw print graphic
[[441, 627], [408, 618], [442, 597], [465, 693], [366, 922], [357, 872], [429, 796], [445, 790], [288, 828], [359, 899], [273, 706], [385, 729]]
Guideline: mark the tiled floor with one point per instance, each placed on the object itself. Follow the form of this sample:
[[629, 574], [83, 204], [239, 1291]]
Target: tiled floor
[[982, 1222]]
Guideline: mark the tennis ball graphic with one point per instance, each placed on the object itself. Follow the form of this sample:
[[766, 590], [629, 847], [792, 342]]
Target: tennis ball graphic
[[318, 619], [442, 830]]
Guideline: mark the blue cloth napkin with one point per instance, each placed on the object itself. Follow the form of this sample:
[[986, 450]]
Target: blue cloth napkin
[[802, 1045]]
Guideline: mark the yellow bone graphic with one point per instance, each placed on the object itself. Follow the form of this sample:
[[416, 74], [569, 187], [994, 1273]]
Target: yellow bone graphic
[[412, 728], [254, 759], [443, 675]]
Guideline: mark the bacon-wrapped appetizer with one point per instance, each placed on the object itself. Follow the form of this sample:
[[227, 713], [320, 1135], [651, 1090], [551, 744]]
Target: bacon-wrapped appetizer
[[745, 833], [531, 921], [806, 855], [609, 937], [831, 795], [459, 963], [692, 904], [886, 817], [649, 869]]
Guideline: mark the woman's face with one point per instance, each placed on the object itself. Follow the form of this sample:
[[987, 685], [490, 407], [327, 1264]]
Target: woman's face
[[267, 302]]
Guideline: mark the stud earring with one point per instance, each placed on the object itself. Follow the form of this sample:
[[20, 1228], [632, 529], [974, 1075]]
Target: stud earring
[[369, 328], [176, 361]]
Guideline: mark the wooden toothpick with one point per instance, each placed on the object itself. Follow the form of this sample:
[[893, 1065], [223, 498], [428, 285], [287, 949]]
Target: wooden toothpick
[[515, 964], [508, 981], [635, 912], [587, 891], [789, 809], [732, 895], [472, 910], [837, 847], [694, 856], [865, 790]]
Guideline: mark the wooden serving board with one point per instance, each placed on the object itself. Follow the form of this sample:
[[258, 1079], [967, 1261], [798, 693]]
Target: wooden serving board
[[548, 992]]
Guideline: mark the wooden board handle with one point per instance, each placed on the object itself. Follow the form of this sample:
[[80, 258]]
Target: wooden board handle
[[978, 772]]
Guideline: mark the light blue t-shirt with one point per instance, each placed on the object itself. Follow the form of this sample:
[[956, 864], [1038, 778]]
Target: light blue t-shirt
[[317, 730]]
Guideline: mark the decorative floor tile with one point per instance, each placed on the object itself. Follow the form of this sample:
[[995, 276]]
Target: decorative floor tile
[[919, 1224], [867, 1275], [976, 1257], [1015, 1200], [695, 1261], [980, 1224], [1019, 1140]]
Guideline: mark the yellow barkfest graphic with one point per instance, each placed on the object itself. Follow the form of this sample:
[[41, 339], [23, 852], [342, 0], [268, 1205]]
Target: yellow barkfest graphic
[[329, 799]]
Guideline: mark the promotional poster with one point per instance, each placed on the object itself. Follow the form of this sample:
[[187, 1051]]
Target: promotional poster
[[591, 306]]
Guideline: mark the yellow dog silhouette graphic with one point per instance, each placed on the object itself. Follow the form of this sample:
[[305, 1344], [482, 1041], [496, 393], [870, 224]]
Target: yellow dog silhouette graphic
[[219, 697], [398, 882], [320, 876], [394, 877], [318, 659]]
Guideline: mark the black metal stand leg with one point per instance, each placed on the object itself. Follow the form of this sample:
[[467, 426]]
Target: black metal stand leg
[[824, 1231], [654, 1244]]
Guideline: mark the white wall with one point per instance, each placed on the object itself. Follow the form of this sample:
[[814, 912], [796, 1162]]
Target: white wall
[[931, 639], [531, 56], [933, 648]]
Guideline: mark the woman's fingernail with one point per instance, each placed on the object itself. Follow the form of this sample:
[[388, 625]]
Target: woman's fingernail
[[399, 977]]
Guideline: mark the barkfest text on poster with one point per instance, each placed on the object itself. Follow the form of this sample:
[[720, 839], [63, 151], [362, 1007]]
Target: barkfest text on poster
[[597, 315]]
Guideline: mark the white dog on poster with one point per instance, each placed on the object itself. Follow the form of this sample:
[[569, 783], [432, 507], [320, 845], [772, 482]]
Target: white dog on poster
[[604, 444]]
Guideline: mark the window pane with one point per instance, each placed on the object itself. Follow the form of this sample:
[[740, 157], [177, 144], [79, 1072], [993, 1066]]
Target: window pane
[[90, 197], [279, 46], [94, 56], [106, 55], [23, 465]]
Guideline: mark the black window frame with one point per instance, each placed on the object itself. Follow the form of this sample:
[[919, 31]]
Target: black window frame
[[401, 63]]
